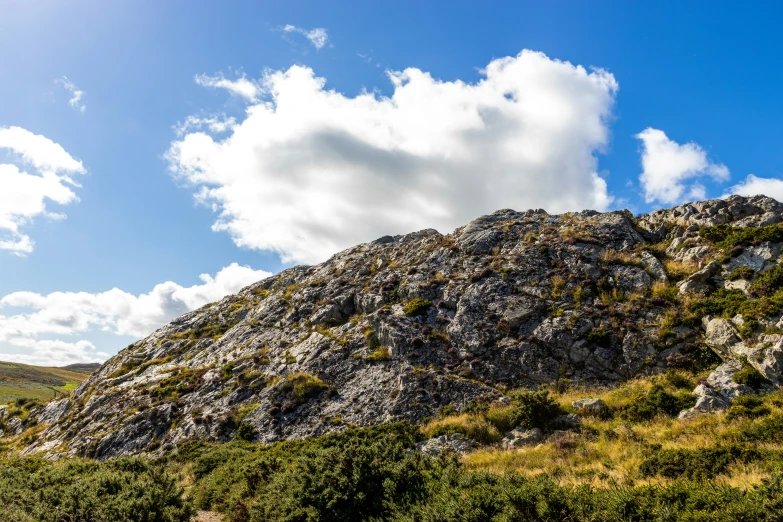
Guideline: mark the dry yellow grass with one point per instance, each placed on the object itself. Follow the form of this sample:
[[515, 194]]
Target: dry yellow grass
[[610, 451], [474, 426], [679, 269], [615, 257]]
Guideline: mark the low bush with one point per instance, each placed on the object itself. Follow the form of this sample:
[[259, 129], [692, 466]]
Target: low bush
[[749, 376], [768, 429], [299, 387], [657, 402], [381, 354], [124, 490], [749, 406], [768, 282], [534, 409], [697, 464], [665, 291], [743, 272], [416, 306], [728, 237]]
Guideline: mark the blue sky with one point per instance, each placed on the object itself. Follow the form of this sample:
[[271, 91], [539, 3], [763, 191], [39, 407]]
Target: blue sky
[[704, 77]]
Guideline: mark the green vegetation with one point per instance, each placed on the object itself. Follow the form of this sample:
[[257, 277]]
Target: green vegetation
[[749, 376], [485, 423], [656, 402], [380, 354], [728, 237], [37, 382], [181, 382], [372, 474], [299, 387], [728, 303], [124, 490], [768, 282], [698, 464], [637, 462], [749, 406], [416, 306], [743, 272]]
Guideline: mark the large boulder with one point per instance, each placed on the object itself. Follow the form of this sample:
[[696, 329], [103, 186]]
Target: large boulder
[[519, 437]]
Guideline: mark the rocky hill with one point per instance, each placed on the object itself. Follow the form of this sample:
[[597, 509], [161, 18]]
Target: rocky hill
[[399, 327]]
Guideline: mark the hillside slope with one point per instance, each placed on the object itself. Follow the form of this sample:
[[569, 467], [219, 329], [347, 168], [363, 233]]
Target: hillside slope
[[399, 327], [39, 382]]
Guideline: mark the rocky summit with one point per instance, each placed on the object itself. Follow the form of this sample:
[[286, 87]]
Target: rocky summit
[[397, 328]]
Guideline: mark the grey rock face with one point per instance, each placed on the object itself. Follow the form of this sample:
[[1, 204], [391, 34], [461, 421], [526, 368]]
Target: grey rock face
[[519, 437], [654, 267], [593, 406], [570, 421], [53, 411], [721, 336], [702, 280], [456, 443], [512, 299]]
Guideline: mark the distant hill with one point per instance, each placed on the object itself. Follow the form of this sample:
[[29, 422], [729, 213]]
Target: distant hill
[[40, 382], [82, 367]]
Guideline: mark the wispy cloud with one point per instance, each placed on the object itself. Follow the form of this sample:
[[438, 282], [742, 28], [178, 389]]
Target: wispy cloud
[[247, 89], [216, 123], [76, 94], [318, 36], [40, 171]]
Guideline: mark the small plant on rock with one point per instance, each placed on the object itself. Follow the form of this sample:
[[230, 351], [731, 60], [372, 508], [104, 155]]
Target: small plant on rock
[[416, 306]]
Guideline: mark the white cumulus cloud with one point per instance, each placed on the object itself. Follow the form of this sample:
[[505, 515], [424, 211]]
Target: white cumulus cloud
[[670, 169], [318, 36], [114, 311], [77, 94], [55, 353], [754, 186], [311, 171], [242, 87], [38, 170]]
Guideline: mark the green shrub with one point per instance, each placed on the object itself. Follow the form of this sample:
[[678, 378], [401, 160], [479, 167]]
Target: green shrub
[[372, 474], [381, 354], [743, 272], [373, 343], [750, 376], [697, 464], [534, 409], [358, 474], [679, 380], [728, 237], [750, 406], [657, 402], [767, 429], [475, 428], [123, 490], [768, 282], [299, 387], [728, 303], [246, 432], [476, 406], [416, 306]]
